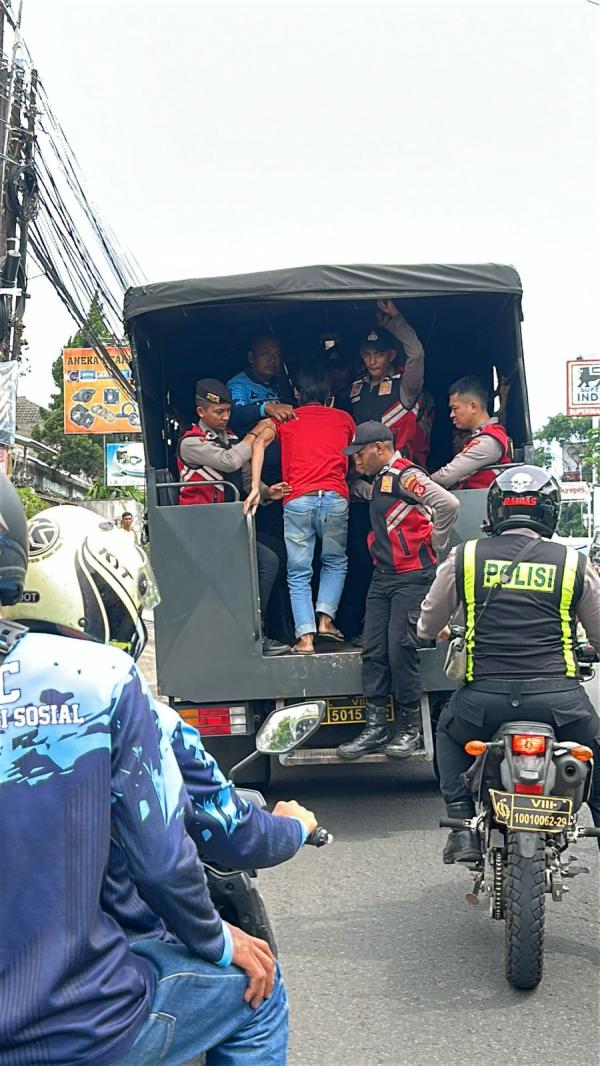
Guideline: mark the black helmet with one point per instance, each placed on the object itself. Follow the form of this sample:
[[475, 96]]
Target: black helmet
[[13, 543], [524, 497]]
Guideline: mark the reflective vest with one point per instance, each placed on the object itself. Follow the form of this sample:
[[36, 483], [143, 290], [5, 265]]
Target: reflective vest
[[400, 537], [196, 489], [382, 403], [528, 627], [481, 479]]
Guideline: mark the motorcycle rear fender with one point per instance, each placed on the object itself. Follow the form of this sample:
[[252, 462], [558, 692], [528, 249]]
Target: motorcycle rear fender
[[526, 843]]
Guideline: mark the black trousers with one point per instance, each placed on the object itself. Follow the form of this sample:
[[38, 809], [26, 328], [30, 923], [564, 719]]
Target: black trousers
[[268, 569], [476, 714], [390, 663]]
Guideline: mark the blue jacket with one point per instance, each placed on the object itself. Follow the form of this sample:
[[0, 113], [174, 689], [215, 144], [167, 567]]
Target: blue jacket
[[83, 757], [249, 399], [224, 828]]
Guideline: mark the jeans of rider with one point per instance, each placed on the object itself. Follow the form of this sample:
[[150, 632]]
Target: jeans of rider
[[476, 714], [305, 519], [390, 663], [198, 1008]]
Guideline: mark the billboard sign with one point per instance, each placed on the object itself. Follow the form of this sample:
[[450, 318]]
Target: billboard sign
[[94, 400], [575, 492], [125, 463], [583, 387]]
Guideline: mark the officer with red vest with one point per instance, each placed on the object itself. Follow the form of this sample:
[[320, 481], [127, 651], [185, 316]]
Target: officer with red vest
[[411, 520], [210, 459], [391, 393], [488, 443]]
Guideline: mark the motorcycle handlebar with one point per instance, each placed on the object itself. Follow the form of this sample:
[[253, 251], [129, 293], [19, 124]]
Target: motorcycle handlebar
[[319, 837], [591, 832], [455, 823]]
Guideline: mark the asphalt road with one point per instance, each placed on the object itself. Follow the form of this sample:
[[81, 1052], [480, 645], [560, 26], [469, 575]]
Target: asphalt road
[[386, 963]]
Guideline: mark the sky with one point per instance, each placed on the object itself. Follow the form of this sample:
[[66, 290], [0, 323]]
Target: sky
[[244, 135]]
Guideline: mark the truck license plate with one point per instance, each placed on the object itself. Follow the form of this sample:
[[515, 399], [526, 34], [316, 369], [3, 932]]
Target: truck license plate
[[534, 814], [350, 710]]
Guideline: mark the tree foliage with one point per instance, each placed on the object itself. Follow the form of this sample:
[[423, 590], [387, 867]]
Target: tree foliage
[[32, 503], [562, 429], [78, 453]]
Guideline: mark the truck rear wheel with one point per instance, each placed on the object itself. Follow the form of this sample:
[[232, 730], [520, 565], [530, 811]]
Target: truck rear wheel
[[524, 913]]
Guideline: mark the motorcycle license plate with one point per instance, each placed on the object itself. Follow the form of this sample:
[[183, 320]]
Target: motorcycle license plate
[[534, 814], [350, 710]]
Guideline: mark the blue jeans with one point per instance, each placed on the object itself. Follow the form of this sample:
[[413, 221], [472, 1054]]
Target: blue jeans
[[305, 519], [198, 1007]]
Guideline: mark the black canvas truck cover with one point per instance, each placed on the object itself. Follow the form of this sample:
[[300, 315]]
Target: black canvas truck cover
[[468, 317], [324, 283]]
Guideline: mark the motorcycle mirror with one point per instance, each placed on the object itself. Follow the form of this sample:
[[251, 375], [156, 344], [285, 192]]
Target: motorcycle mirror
[[289, 727]]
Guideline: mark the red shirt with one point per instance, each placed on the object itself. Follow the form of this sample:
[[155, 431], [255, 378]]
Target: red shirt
[[311, 450]]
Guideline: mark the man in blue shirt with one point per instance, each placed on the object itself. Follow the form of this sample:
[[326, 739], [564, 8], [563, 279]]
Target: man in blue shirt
[[85, 760], [262, 392]]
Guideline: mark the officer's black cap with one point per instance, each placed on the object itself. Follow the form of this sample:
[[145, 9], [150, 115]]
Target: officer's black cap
[[369, 433], [378, 338], [209, 390]]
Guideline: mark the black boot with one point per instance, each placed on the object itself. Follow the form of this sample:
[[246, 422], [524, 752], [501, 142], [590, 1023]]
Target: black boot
[[407, 739], [463, 845], [372, 737]]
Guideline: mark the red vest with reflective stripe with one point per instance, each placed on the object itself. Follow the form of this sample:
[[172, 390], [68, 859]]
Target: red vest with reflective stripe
[[481, 479], [400, 539], [411, 428], [196, 490]]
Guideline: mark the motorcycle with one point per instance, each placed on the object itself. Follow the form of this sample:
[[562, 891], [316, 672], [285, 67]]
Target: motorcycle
[[234, 892], [529, 789]]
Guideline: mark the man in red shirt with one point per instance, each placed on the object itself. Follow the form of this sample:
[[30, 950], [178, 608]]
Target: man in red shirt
[[313, 465]]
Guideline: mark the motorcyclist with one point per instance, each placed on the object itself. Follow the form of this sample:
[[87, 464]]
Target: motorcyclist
[[223, 826], [520, 641], [83, 756]]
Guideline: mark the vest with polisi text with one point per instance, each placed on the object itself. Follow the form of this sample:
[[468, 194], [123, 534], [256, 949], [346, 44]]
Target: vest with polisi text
[[528, 627]]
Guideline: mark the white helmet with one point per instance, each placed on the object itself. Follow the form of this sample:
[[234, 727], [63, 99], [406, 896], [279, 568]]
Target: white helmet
[[86, 577]]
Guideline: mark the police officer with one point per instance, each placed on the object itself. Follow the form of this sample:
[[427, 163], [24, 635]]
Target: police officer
[[392, 393], [487, 443], [209, 456], [83, 759], [411, 520], [521, 661]]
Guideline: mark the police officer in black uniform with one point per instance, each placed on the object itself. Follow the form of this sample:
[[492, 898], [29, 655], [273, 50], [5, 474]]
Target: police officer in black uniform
[[521, 660]]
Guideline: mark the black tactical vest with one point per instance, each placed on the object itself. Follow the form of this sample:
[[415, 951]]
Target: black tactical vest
[[528, 627]]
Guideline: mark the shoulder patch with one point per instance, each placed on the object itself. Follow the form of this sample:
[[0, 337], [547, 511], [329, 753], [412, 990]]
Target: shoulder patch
[[414, 483], [355, 391]]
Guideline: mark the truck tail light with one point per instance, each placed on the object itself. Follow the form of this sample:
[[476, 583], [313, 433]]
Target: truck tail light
[[217, 720], [528, 744]]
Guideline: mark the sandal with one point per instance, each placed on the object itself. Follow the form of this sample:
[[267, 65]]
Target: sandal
[[332, 634]]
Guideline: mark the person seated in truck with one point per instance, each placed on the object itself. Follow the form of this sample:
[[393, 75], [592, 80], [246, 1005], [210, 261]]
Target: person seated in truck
[[262, 391], [487, 443], [208, 457], [316, 504], [392, 392]]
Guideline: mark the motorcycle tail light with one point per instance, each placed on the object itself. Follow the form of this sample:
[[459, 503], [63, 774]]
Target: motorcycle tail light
[[582, 753], [529, 790], [528, 744], [475, 747]]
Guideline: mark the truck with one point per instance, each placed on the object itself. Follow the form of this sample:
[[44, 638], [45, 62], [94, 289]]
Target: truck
[[210, 663]]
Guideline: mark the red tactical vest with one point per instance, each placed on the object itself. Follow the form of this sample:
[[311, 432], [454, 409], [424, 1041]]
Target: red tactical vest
[[482, 479], [400, 538], [196, 490], [411, 428]]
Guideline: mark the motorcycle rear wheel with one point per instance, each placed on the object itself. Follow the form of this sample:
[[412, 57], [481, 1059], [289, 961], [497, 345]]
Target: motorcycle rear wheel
[[524, 911]]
